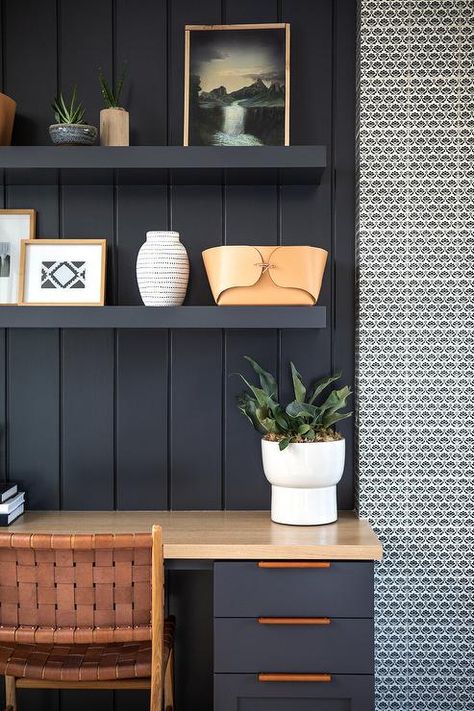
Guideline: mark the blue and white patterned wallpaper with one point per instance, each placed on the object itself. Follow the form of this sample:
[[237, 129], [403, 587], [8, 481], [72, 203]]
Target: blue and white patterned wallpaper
[[416, 344]]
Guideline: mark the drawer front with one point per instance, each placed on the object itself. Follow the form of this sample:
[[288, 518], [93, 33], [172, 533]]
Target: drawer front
[[243, 692], [341, 647], [243, 589]]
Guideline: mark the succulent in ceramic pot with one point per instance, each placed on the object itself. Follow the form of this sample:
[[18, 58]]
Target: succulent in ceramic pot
[[114, 119], [70, 128], [303, 456]]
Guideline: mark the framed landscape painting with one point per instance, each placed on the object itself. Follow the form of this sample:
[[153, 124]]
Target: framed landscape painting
[[237, 85]]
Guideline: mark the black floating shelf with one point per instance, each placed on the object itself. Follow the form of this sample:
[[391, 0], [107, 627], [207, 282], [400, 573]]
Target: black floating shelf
[[163, 317], [164, 164]]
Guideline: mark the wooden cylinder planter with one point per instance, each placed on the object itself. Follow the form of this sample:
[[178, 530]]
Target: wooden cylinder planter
[[114, 127], [7, 117]]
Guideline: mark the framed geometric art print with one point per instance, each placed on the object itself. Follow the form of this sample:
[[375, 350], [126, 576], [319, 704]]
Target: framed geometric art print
[[62, 272]]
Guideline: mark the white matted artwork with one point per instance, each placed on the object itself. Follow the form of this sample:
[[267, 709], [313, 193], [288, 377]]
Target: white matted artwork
[[62, 272], [15, 225]]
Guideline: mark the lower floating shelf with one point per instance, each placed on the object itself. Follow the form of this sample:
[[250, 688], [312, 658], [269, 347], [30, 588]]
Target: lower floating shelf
[[163, 317]]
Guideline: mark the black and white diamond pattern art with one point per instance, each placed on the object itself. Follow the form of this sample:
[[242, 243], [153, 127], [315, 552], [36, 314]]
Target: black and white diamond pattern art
[[63, 275], [415, 349]]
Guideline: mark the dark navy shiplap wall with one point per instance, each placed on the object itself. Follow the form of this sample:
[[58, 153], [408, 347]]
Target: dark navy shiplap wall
[[146, 419]]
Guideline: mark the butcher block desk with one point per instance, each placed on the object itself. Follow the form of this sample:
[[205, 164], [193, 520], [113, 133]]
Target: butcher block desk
[[293, 606]]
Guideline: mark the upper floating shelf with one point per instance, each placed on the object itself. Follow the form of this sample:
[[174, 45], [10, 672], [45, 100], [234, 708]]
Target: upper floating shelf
[[164, 164], [163, 317]]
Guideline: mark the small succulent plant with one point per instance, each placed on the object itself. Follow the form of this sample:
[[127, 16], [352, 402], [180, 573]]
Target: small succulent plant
[[111, 93], [308, 418], [71, 112]]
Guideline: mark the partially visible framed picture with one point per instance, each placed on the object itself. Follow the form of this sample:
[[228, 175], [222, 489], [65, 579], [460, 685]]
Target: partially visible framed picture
[[15, 225], [237, 85], [62, 272]]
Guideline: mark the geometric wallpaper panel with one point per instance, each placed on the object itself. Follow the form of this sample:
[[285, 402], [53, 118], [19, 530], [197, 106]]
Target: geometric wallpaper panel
[[415, 354]]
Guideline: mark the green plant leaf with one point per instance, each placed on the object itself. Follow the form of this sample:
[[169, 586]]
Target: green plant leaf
[[336, 400], [331, 419], [263, 399], [283, 444], [320, 385], [298, 385], [304, 429], [267, 381], [282, 423], [247, 407], [301, 409]]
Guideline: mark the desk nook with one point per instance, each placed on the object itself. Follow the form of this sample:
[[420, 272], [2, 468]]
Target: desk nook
[[212, 232], [292, 607]]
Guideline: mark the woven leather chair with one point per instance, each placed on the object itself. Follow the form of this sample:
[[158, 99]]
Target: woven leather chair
[[79, 612]]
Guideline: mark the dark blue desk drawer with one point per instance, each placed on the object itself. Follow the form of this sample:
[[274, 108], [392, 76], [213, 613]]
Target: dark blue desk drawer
[[243, 692], [338, 646], [243, 589]]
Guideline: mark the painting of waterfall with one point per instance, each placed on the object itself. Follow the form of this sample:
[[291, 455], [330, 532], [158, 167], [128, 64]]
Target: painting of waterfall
[[237, 85]]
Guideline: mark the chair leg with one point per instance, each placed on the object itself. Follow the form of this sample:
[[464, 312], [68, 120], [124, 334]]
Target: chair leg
[[169, 683], [10, 693]]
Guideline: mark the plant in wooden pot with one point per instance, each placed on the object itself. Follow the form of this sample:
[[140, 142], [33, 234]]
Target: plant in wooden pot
[[70, 128], [114, 119], [303, 456]]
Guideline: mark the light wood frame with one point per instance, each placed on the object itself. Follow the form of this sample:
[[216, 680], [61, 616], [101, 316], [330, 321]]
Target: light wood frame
[[259, 26], [32, 234], [61, 242]]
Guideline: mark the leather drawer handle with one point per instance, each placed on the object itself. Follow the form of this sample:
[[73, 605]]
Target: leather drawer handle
[[294, 564], [295, 677], [294, 621]]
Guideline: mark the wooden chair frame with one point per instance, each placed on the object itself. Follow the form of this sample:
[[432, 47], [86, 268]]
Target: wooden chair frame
[[161, 682]]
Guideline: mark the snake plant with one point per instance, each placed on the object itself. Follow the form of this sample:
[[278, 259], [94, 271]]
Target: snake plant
[[308, 418]]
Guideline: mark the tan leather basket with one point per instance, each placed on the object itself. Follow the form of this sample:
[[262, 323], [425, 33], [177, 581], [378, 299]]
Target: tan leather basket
[[265, 276]]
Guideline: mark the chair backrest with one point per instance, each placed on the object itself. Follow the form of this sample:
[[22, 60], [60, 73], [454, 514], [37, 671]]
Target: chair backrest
[[78, 588]]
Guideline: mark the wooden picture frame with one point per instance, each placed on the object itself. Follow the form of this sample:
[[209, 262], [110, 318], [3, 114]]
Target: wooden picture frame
[[61, 243], [13, 253], [187, 71]]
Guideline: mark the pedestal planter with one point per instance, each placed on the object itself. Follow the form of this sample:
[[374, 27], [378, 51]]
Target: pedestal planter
[[7, 117], [73, 134], [304, 478], [162, 269], [114, 127]]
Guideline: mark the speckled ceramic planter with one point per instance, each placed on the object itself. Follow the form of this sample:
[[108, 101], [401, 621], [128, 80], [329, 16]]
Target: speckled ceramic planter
[[73, 134]]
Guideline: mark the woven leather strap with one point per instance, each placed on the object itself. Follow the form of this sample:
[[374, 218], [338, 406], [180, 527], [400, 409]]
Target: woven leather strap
[[75, 588]]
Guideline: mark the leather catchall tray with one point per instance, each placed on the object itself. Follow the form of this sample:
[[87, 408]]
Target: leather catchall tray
[[265, 276]]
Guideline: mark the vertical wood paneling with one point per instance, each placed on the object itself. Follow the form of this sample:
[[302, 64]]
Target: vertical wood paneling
[[142, 364], [88, 363], [196, 392], [344, 217], [86, 31], [141, 42], [87, 374], [196, 377], [33, 381], [30, 66], [251, 214]]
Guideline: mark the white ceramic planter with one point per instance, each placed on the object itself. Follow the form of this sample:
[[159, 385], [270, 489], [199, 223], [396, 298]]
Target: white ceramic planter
[[304, 478], [162, 269]]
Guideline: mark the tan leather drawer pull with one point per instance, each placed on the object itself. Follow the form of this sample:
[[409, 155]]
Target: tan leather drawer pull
[[294, 621], [294, 564], [295, 677]]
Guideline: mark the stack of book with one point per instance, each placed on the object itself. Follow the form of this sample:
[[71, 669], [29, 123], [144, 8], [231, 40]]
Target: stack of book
[[12, 503]]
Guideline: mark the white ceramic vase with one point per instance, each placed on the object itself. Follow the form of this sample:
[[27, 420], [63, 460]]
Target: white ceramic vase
[[162, 269], [304, 478]]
